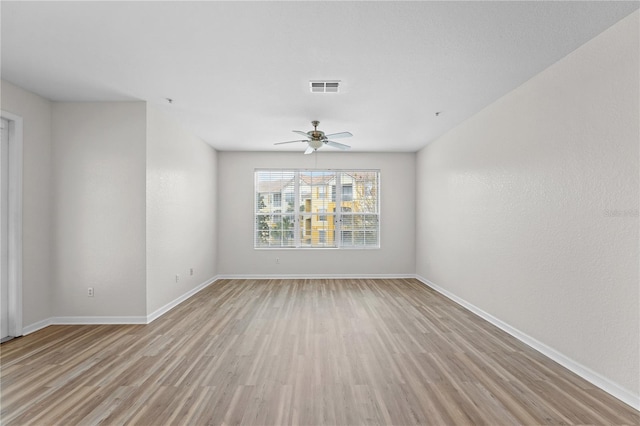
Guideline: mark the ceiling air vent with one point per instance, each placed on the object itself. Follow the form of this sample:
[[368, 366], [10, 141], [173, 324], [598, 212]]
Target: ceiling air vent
[[324, 86]]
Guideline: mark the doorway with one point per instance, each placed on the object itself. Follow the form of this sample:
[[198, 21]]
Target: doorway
[[4, 231], [10, 226]]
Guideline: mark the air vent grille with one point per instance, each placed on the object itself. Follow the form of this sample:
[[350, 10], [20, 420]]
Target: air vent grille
[[324, 86]]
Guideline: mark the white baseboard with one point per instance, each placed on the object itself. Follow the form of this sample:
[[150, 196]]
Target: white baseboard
[[166, 308], [83, 320], [311, 276], [98, 320], [32, 328], [591, 376]]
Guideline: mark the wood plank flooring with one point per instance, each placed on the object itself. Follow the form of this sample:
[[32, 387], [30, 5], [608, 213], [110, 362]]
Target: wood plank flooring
[[308, 352]]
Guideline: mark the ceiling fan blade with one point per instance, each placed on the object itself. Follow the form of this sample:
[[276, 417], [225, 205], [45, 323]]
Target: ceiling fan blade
[[301, 133], [309, 150], [338, 145], [280, 143], [338, 135]]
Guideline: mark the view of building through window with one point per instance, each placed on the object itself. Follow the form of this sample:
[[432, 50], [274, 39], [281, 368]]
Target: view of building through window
[[317, 208]]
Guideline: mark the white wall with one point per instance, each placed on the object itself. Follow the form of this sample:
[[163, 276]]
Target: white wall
[[181, 210], [99, 208], [36, 210], [515, 209], [236, 255]]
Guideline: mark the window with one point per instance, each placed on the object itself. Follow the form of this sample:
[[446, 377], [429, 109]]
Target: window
[[323, 208]]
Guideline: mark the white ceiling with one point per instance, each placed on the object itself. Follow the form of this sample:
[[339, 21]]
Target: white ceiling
[[239, 71]]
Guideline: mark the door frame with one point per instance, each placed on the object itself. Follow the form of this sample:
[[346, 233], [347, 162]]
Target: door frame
[[14, 221]]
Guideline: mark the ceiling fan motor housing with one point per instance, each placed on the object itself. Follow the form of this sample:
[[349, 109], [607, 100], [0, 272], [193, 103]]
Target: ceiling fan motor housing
[[315, 134]]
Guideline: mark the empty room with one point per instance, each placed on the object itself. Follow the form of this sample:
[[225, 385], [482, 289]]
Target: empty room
[[320, 213]]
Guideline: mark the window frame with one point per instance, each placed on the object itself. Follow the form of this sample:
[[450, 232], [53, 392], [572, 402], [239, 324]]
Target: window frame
[[302, 237]]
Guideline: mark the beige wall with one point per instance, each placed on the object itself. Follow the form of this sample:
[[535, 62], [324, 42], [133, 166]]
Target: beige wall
[[236, 255], [181, 210], [99, 208], [516, 211], [36, 199]]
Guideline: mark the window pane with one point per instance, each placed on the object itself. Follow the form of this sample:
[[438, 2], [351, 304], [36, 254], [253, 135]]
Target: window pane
[[371, 237], [346, 238], [347, 222], [281, 231], [262, 231], [358, 238], [270, 185], [360, 190], [347, 192], [321, 231]]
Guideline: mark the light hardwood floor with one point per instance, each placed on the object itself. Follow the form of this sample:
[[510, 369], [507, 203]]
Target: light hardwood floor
[[310, 352]]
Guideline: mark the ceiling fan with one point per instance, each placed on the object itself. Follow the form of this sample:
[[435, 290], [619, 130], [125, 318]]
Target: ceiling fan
[[316, 138]]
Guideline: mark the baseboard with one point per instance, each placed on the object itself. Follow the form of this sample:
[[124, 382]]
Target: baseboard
[[166, 308], [83, 320], [98, 320], [311, 276], [101, 320], [32, 328], [591, 376]]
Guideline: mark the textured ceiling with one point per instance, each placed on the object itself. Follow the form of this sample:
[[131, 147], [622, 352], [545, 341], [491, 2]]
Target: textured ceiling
[[238, 72]]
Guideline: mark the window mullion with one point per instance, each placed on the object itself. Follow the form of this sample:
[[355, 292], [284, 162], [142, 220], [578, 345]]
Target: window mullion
[[338, 179], [296, 208]]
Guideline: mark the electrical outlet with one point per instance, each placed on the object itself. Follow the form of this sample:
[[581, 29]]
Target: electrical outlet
[[191, 271], [177, 277], [90, 292]]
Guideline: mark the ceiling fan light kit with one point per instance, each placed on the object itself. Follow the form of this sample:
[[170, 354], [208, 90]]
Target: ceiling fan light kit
[[315, 139]]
